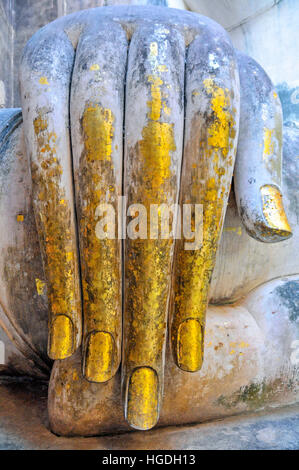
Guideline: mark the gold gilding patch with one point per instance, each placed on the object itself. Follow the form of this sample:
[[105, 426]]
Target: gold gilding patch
[[57, 238], [156, 145], [268, 142], [156, 102], [274, 212], [43, 81], [162, 68], [220, 129], [94, 67], [101, 259], [61, 340], [98, 128], [40, 286], [142, 411], [237, 230], [99, 357]]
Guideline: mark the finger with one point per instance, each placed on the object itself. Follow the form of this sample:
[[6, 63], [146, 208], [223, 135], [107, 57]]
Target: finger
[[45, 80], [97, 104], [212, 103], [154, 130], [257, 179]]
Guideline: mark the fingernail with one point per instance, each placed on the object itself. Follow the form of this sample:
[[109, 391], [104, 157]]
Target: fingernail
[[189, 345], [99, 357], [61, 340], [274, 212], [142, 408]]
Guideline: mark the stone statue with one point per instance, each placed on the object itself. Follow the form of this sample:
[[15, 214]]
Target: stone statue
[[147, 106]]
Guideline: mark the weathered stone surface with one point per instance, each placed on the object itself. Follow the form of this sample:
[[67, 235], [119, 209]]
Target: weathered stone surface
[[19, 19], [6, 46], [24, 425]]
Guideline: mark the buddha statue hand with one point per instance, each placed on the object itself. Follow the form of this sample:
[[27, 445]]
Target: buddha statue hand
[[128, 113]]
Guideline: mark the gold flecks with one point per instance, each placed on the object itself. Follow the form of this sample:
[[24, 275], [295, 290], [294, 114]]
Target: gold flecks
[[94, 67], [20, 218], [101, 287], [166, 110], [156, 101], [142, 407], [274, 212], [236, 230], [40, 286], [162, 68], [43, 81], [69, 256], [234, 345]]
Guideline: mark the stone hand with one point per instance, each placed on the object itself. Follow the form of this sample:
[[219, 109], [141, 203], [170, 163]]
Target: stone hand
[[142, 103]]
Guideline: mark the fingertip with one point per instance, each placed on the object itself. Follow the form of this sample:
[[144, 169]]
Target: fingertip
[[189, 345], [61, 338], [99, 357], [142, 399], [272, 205]]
